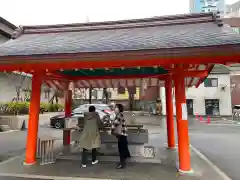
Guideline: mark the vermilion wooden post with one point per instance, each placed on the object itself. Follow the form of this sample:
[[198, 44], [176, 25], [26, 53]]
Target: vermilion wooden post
[[182, 126], [68, 112], [33, 122], [68, 103], [169, 113]]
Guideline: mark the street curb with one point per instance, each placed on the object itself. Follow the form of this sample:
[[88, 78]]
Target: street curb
[[9, 131], [215, 168], [47, 177]]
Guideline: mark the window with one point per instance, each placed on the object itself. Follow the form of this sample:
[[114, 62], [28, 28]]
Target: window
[[211, 82]]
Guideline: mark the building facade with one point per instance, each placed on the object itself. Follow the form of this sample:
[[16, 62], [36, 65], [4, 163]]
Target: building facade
[[233, 10], [233, 16], [198, 6], [212, 97], [15, 85]]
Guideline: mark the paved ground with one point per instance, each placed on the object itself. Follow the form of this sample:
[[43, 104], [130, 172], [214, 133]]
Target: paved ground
[[217, 141], [17, 178], [221, 145]]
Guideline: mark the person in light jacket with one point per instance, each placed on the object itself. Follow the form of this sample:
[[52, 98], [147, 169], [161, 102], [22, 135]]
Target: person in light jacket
[[90, 137], [119, 129]]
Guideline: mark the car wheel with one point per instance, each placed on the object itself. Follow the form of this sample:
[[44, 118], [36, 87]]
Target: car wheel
[[58, 125]]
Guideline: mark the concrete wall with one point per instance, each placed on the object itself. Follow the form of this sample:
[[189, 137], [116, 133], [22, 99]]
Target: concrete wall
[[200, 94]]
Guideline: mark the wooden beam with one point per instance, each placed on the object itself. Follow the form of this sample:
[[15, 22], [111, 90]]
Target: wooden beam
[[52, 65], [209, 69], [200, 74], [191, 81], [57, 76], [118, 77]]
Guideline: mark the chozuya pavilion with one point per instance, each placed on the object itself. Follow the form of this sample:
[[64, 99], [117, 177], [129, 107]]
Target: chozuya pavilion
[[179, 51]]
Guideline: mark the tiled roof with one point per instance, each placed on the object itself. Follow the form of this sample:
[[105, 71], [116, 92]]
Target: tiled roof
[[190, 30]]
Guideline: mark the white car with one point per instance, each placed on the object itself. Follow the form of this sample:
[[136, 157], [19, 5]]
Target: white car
[[58, 121], [99, 107]]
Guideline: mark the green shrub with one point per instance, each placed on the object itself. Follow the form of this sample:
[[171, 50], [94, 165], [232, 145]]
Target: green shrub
[[55, 107], [44, 107], [17, 108]]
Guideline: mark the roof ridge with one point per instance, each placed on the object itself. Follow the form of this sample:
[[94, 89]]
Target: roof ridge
[[128, 21], [123, 24], [112, 27], [18, 32]]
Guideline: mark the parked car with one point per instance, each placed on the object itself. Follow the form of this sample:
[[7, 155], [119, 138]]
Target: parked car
[[103, 107], [58, 121]]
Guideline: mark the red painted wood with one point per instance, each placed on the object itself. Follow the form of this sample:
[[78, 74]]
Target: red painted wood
[[57, 65]]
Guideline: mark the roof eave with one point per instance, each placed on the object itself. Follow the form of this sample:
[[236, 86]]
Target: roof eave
[[5, 34], [146, 58], [7, 23]]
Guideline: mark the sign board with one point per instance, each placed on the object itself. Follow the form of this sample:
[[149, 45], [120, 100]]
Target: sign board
[[71, 122], [184, 112]]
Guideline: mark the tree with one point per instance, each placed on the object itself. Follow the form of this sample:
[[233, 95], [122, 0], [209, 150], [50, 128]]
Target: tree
[[90, 94], [105, 95], [47, 93], [131, 93], [18, 85]]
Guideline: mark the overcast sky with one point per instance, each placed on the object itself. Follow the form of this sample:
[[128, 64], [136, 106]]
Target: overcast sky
[[32, 12]]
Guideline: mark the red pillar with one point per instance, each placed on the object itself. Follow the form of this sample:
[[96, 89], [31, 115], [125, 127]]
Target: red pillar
[[68, 102], [182, 125], [68, 112], [169, 113], [33, 123]]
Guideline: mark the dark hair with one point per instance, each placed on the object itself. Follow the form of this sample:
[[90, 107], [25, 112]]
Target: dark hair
[[92, 109], [120, 107]]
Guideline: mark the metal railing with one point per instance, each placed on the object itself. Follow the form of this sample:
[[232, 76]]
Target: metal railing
[[45, 150]]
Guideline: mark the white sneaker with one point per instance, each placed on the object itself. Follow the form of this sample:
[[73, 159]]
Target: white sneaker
[[83, 165], [95, 162]]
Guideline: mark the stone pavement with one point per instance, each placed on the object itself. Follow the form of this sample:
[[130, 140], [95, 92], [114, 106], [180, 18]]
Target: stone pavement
[[165, 169], [106, 170], [17, 178], [202, 136]]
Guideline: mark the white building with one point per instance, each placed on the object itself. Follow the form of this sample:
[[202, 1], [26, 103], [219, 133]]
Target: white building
[[198, 6], [233, 10], [212, 97]]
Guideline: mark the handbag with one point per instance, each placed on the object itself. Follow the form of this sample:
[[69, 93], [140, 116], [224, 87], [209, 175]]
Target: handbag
[[117, 130]]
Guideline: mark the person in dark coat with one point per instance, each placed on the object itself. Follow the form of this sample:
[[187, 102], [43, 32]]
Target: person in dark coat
[[119, 129]]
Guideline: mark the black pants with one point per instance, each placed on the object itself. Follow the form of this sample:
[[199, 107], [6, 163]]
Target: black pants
[[85, 155], [123, 149]]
